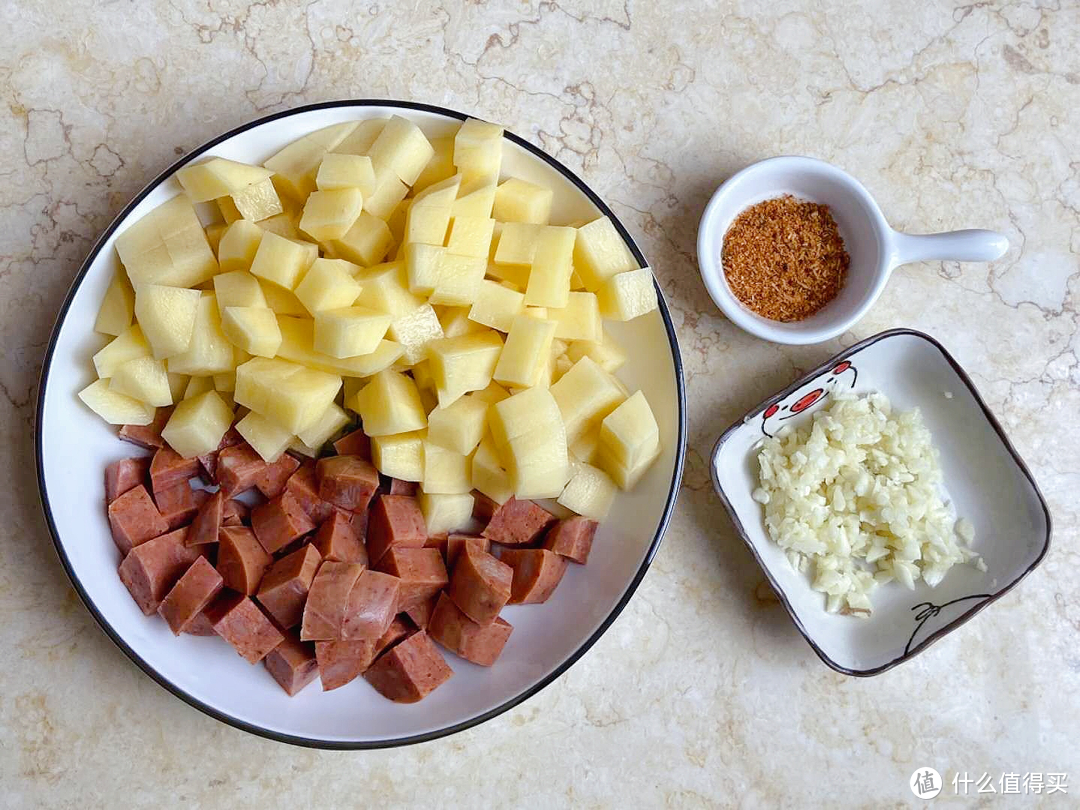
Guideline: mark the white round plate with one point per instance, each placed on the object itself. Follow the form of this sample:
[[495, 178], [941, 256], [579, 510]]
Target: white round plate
[[74, 446]]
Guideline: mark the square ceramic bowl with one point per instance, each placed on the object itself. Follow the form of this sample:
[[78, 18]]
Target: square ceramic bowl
[[984, 477]]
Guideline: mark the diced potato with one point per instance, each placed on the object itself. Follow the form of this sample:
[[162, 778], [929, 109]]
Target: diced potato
[[470, 236], [282, 261], [400, 455], [167, 246], [402, 147], [144, 379], [496, 306], [478, 150], [446, 513], [531, 439], [445, 472], [289, 394], [329, 215], [607, 354], [346, 171], [359, 141], [463, 364], [488, 475], [441, 165], [427, 224], [167, 317], [213, 237], [600, 253], [298, 346], [333, 419], [460, 426], [349, 331], [396, 224], [560, 366], [549, 279], [389, 404], [197, 386], [586, 394], [218, 177], [589, 492], [117, 307], [253, 329], [258, 201], [385, 288], [628, 295], [197, 425], [126, 346], [238, 246], [517, 244], [517, 200], [530, 410], [177, 385], [114, 407], [439, 195], [225, 382], [238, 289], [455, 321], [492, 394], [629, 441], [208, 351], [415, 331], [423, 266], [282, 225], [328, 284], [459, 280], [229, 212], [389, 191], [579, 319], [265, 437], [296, 165], [282, 301], [366, 242], [475, 199], [526, 353], [298, 446]]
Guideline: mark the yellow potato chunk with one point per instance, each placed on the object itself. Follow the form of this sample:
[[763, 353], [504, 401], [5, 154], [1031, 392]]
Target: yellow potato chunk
[[197, 386], [114, 407], [446, 513], [445, 472], [208, 351], [607, 353], [238, 289], [586, 394], [389, 191], [439, 195], [253, 329], [346, 171], [549, 279], [496, 306], [366, 242], [349, 331], [126, 346], [470, 236], [460, 426], [526, 353], [229, 212], [385, 287], [390, 403], [459, 280], [455, 321], [589, 492], [628, 295], [225, 383], [177, 384], [427, 224], [584, 448], [517, 200], [423, 266], [213, 236], [298, 346], [475, 199], [441, 165], [167, 317], [531, 440], [117, 307], [402, 147], [258, 201], [492, 394], [400, 455], [218, 177], [629, 441], [600, 253], [282, 225], [266, 438], [579, 319], [478, 150], [283, 261], [517, 247], [329, 215], [415, 331], [167, 246], [291, 395], [359, 141], [333, 420], [197, 425], [488, 475], [296, 165], [238, 246], [560, 366], [282, 301], [463, 364], [328, 284], [144, 379]]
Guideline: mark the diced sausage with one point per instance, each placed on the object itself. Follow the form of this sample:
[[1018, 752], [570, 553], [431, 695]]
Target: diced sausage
[[284, 587], [280, 521], [238, 469], [134, 519], [207, 523], [479, 643], [235, 513], [456, 542], [124, 475], [395, 521], [238, 620], [347, 481], [150, 569], [272, 481], [292, 664], [342, 661], [337, 540], [327, 601], [572, 538], [409, 671], [354, 444], [399, 487], [421, 573], [177, 504], [148, 436], [241, 560], [209, 461], [480, 585], [372, 605], [304, 486], [483, 506], [517, 523], [400, 628], [190, 595], [199, 626], [168, 468], [537, 572], [420, 613], [437, 541]]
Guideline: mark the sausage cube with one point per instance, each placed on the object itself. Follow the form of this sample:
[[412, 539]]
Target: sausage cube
[[284, 587], [347, 481], [304, 486], [537, 572], [241, 560], [292, 664], [150, 569], [572, 538], [479, 643], [483, 506], [327, 601], [517, 523], [356, 443], [280, 521], [400, 628], [271, 482], [481, 585], [395, 521], [399, 487], [124, 475], [209, 461], [338, 539], [409, 671], [235, 513], [168, 468], [238, 620], [372, 605], [342, 661], [420, 613], [208, 520], [190, 595], [456, 542], [421, 573], [177, 504], [238, 468], [148, 436], [134, 519], [199, 626]]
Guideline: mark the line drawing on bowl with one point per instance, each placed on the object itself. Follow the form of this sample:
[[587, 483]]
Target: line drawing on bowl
[[929, 610]]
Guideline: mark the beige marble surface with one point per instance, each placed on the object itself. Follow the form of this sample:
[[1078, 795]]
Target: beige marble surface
[[702, 694]]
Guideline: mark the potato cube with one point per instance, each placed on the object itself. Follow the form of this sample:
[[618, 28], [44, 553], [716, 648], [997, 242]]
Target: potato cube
[[218, 177], [422, 266], [445, 472], [389, 191], [296, 165], [258, 201], [533, 409], [225, 383], [439, 195], [328, 284], [229, 212], [415, 331], [167, 317], [282, 261], [478, 149], [629, 441], [117, 307], [585, 446], [559, 367], [475, 199], [402, 147], [586, 394], [298, 346], [282, 225], [446, 513], [531, 439], [385, 288], [389, 404], [366, 242], [197, 386], [208, 351], [359, 141], [427, 224], [589, 492], [463, 364], [600, 253], [441, 165], [579, 319], [496, 306], [470, 236], [459, 280], [322, 429], [526, 353], [349, 331], [488, 474], [492, 394], [282, 301], [329, 214], [517, 244], [628, 295], [400, 455], [455, 321], [114, 407], [238, 289], [460, 426], [177, 385], [517, 200], [238, 246], [346, 171], [607, 354], [197, 425], [265, 437], [144, 379], [126, 346], [167, 246], [253, 329], [289, 394], [549, 279]]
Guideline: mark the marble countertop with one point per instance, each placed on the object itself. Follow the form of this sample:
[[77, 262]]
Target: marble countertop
[[702, 693]]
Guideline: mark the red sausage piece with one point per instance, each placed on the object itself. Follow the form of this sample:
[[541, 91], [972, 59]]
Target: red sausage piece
[[280, 521], [480, 585], [327, 601], [304, 486], [292, 664], [235, 513], [207, 523], [199, 626], [342, 661], [238, 469], [456, 542], [354, 444], [479, 643], [400, 628], [420, 571], [572, 538], [347, 481], [148, 436], [134, 519], [395, 521], [338, 540], [483, 506], [238, 620], [517, 523], [209, 462], [409, 671], [399, 487], [372, 605], [177, 504], [420, 613], [272, 481], [124, 475], [285, 586], [168, 468], [151, 569], [241, 561], [191, 593], [537, 572]]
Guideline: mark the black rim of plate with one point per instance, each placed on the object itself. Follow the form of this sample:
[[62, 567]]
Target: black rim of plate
[[311, 742]]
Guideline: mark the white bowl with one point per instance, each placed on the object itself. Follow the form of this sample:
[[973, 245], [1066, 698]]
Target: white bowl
[[984, 477], [875, 249], [74, 446]]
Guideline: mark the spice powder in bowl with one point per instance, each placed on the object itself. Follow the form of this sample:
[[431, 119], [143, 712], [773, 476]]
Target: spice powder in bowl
[[784, 258]]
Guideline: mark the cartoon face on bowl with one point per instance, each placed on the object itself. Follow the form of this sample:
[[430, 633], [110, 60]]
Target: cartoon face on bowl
[[809, 397]]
